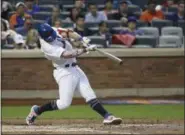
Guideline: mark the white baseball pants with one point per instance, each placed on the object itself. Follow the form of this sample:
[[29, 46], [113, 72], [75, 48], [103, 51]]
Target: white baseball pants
[[69, 80]]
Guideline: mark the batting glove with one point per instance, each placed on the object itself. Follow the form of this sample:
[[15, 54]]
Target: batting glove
[[91, 48], [85, 41]]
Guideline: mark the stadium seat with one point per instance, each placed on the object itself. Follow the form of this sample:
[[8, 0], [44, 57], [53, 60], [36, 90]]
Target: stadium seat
[[141, 46], [49, 2], [101, 7], [97, 40], [64, 15], [167, 15], [13, 2], [150, 31], [67, 2], [161, 23], [110, 16], [91, 24], [172, 9], [146, 40], [94, 30], [183, 45], [36, 23], [41, 15], [176, 31], [116, 30], [182, 25], [7, 46], [67, 7], [140, 3], [46, 8], [137, 15], [141, 24], [163, 9], [134, 8], [169, 41], [98, 2], [167, 46], [172, 31], [67, 24], [113, 23], [118, 46]]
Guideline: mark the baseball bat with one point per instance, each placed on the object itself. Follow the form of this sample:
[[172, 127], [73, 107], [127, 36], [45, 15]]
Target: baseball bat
[[110, 56]]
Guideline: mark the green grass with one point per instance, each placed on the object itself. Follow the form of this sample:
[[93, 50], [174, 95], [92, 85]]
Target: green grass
[[162, 112]]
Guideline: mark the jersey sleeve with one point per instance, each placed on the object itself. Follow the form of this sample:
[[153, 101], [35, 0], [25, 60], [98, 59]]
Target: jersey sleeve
[[51, 52]]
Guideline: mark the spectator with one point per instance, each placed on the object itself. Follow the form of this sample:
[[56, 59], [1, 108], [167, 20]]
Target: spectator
[[6, 9], [80, 6], [109, 7], [58, 28], [150, 14], [80, 27], [123, 11], [55, 16], [94, 15], [58, 23], [9, 36], [117, 2], [17, 19], [132, 28], [73, 15], [105, 33], [32, 8], [175, 17], [124, 23], [32, 39], [28, 25], [4, 32], [19, 42], [169, 3], [30, 34]]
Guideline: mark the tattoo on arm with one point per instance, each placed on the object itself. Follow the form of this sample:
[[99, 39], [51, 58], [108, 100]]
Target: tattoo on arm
[[73, 53]]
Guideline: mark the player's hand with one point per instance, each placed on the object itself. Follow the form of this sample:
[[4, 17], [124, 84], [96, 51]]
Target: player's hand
[[91, 48], [85, 41]]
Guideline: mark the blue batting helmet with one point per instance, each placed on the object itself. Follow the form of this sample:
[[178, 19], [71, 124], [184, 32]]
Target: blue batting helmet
[[47, 33]]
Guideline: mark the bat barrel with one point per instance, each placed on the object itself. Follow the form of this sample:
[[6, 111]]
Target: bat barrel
[[110, 56]]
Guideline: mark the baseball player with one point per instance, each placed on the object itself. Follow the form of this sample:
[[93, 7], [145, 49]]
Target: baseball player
[[67, 74]]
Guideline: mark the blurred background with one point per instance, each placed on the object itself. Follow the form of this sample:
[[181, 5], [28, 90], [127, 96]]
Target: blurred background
[[109, 23], [147, 34]]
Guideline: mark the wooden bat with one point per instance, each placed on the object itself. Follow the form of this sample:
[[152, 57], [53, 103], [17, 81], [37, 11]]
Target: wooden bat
[[110, 56]]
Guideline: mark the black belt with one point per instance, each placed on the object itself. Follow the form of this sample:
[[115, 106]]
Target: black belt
[[69, 65]]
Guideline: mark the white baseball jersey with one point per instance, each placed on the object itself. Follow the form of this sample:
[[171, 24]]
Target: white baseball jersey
[[53, 52], [70, 78]]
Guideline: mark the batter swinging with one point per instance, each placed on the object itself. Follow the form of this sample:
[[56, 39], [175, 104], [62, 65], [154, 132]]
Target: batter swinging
[[67, 74]]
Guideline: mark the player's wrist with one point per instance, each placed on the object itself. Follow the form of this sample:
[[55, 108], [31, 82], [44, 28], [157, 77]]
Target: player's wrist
[[84, 49], [80, 39]]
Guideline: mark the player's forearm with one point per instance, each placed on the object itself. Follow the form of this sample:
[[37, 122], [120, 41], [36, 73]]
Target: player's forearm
[[74, 35], [73, 53], [70, 33]]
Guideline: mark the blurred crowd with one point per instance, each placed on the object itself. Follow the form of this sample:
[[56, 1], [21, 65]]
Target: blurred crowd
[[18, 29]]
